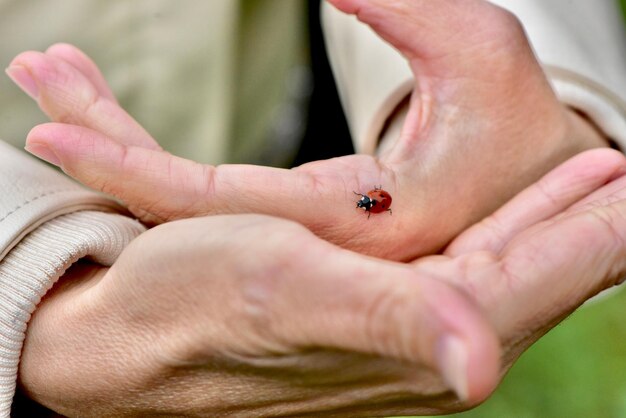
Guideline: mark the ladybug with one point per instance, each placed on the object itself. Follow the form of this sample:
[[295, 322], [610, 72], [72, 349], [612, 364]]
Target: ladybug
[[375, 201]]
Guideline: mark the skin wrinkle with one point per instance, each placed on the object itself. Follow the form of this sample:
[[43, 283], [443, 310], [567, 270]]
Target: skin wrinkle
[[376, 317], [210, 185], [421, 118], [124, 165], [547, 193], [181, 180]]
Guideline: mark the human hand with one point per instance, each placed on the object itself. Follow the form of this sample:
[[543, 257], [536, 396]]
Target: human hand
[[246, 315], [483, 123]]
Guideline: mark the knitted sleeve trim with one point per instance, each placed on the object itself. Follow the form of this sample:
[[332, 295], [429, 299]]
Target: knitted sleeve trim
[[32, 267], [600, 104]]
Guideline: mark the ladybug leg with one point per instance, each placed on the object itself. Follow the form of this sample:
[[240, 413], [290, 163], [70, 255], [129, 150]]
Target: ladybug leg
[[390, 212], [369, 214]]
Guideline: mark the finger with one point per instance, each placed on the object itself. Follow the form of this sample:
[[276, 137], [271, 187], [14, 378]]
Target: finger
[[132, 174], [66, 95], [555, 192], [556, 266], [159, 187], [85, 65]]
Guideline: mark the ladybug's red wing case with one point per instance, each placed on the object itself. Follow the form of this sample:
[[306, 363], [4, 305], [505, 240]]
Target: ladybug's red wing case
[[382, 199], [380, 195]]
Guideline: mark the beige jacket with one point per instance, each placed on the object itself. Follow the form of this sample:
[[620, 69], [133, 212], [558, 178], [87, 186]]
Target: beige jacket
[[189, 71], [47, 222]]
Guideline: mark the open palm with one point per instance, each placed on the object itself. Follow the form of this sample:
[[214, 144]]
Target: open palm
[[482, 124]]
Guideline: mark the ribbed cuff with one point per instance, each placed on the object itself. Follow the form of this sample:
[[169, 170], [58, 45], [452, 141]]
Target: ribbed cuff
[[37, 262]]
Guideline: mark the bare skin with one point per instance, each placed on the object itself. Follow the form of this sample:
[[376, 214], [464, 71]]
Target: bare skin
[[182, 324]]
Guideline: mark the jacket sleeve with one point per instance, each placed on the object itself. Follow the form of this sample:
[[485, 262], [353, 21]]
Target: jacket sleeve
[[47, 222], [581, 44]]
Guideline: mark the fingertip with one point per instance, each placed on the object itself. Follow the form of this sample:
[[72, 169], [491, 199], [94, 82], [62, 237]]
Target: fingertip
[[612, 158], [69, 143], [84, 64], [23, 78], [61, 48], [25, 58], [38, 65], [599, 158], [346, 6], [38, 135], [48, 133], [484, 367], [44, 152], [43, 142]]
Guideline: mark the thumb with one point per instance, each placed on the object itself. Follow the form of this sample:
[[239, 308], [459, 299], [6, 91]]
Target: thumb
[[437, 32], [354, 303], [465, 56]]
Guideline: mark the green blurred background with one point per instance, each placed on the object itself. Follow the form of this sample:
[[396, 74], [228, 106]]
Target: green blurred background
[[578, 370]]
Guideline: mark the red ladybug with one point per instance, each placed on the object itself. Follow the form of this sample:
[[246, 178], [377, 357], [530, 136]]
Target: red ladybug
[[375, 201]]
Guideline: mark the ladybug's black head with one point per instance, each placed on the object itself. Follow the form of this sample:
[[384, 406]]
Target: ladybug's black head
[[365, 202]]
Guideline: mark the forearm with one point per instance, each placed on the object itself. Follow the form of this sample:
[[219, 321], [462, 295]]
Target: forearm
[[47, 223]]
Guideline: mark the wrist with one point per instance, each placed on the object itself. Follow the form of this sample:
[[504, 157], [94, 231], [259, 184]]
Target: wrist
[[584, 133], [392, 129]]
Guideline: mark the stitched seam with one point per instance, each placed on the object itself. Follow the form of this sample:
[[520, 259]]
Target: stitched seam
[[33, 199]]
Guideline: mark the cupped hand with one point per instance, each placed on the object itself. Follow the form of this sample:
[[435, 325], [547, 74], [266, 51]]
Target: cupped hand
[[482, 124], [249, 315]]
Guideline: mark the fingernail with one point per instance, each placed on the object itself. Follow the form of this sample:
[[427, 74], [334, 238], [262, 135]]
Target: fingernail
[[451, 357], [22, 77], [44, 152]]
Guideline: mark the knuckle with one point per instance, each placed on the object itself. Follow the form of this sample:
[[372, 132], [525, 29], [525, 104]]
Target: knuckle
[[547, 193], [387, 329], [506, 32], [272, 282], [494, 227], [507, 22]]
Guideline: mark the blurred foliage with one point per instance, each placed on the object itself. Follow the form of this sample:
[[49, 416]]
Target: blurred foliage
[[578, 370]]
